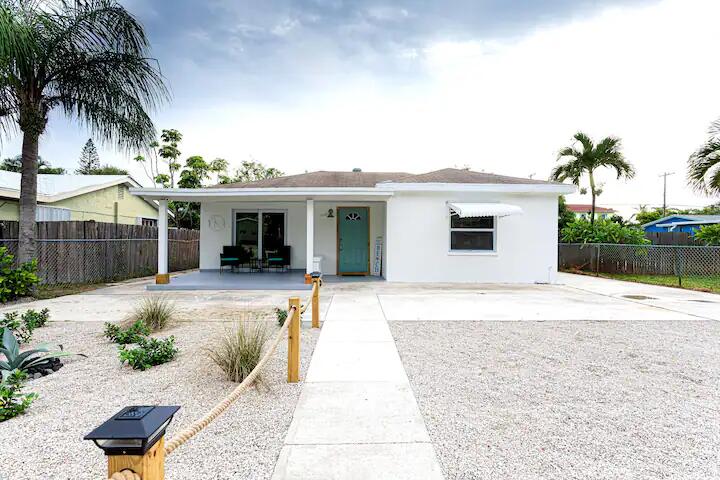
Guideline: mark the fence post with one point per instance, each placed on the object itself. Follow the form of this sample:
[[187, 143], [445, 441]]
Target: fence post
[[150, 466], [294, 341], [316, 302]]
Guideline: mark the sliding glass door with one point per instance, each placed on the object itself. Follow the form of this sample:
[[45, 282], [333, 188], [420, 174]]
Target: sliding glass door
[[260, 231]]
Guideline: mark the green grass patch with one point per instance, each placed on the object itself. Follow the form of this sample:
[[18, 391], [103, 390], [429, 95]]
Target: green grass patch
[[702, 283]]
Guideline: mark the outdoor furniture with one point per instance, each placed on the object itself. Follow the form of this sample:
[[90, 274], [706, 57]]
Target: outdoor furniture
[[234, 256], [278, 258]]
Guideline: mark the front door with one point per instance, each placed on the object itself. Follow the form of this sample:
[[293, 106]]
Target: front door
[[353, 240]]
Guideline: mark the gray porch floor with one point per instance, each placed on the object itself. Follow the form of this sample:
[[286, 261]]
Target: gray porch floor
[[292, 280]]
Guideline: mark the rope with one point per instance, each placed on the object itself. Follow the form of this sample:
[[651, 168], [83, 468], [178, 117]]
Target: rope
[[186, 434], [309, 300], [125, 475]]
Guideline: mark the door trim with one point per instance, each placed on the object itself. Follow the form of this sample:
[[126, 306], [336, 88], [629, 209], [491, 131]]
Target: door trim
[[337, 241]]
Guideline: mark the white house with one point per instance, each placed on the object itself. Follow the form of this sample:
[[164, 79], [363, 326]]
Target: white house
[[449, 225]]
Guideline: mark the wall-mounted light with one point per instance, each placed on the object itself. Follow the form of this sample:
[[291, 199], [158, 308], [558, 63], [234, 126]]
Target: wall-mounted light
[[330, 213]]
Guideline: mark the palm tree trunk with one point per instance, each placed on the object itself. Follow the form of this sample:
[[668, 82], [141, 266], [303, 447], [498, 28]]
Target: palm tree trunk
[[592, 194], [28, 197]]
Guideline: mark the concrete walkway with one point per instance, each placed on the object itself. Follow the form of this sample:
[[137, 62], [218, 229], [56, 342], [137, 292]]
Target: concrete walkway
[[357, 417]]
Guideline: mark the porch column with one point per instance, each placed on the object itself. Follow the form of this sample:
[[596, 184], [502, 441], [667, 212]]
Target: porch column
[[162, 276], [310, 230]]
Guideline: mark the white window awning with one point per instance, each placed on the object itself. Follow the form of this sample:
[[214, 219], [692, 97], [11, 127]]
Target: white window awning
[[465, 210]]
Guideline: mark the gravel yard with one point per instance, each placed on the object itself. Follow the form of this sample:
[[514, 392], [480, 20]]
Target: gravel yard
[[245, 442], [569, 399]]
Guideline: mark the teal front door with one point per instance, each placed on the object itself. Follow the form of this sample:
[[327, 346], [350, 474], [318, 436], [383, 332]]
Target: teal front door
[[353, 240]]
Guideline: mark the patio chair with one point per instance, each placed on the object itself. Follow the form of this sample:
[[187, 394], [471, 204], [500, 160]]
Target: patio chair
[[233, 256], [278, 258]]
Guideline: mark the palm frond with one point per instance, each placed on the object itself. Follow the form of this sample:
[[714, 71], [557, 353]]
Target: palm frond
[[585, 141], [704, 168]]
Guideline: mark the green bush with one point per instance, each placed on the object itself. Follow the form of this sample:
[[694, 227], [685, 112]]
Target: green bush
[[24, 325], [240, 350], [149, 352], [12, 401], [281, 314], [709, 234], [131, 334], [16, 282], [603, 231], [155, 312]]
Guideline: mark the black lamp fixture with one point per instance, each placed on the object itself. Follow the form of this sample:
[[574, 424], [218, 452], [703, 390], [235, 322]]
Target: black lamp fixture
[[133, 430], [330, 213]]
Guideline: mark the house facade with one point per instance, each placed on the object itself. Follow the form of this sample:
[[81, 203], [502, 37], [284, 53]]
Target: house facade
[[583, 210], [445, 226], [102, 198]]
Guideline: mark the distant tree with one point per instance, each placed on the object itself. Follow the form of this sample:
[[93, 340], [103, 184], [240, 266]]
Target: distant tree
[[219, 167], [565, 216], [704, 164], [108, 170], [14, 164], [89, 159], [584, 157], [251, 171], [166, 152], [708, 234]]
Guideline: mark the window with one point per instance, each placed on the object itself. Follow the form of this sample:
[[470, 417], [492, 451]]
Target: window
[[150, 222], [472, 233], [260, 231]]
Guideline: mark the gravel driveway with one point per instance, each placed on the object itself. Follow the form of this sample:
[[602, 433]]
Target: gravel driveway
[[568, 399], [245, 442]]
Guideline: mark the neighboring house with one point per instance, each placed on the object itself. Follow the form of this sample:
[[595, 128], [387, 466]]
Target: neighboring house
[[583, 211], [445, 226], [681, 223], [102, 198]]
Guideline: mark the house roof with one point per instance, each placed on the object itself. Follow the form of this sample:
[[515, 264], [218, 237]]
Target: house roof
[[53, 188], [582, 208], [685, 219], [371, 179]]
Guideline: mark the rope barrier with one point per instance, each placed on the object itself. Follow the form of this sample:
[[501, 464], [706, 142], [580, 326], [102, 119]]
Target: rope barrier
[[186, 434], [125, 475], [309, 299]]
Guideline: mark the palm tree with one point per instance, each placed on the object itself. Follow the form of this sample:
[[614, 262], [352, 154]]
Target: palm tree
[[584, 157], [704, 165], [88, 58]]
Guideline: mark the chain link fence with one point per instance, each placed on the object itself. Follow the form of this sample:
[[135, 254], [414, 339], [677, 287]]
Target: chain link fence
[[672, 260], [83, 261]]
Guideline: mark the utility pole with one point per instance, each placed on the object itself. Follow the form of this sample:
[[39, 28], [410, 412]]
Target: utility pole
[[665, 175]]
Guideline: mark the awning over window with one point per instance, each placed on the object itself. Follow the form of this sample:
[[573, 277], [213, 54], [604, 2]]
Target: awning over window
[[465, 210]]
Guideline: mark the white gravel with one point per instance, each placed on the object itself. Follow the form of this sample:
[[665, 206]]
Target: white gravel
[[568, 400], [244, 443]]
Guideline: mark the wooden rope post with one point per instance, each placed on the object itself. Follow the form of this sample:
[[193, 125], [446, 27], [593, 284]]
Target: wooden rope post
[[150, 466], [316, 303], [294, 341]]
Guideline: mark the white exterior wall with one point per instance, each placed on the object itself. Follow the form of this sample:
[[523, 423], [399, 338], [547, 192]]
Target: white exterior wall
[[325, 243], [418, 240]]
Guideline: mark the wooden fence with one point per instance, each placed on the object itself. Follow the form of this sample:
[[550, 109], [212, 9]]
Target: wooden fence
[[90, 252], [671, 238]]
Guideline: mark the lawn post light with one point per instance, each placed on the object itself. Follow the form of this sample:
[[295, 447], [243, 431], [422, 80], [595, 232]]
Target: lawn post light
[[133, 439]]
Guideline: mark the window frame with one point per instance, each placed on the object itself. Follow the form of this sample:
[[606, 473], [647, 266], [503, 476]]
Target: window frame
[[259, 212], [451, 229]]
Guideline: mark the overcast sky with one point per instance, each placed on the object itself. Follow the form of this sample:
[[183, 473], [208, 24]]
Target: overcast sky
[[418, 85]]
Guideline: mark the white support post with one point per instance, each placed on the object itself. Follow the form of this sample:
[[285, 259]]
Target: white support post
[[162, 276], [309, 250]]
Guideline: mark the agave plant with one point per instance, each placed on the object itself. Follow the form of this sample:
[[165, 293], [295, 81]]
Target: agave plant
[[16, 360]]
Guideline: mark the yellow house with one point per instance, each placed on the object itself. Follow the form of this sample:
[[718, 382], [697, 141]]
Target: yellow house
[[102, 198]]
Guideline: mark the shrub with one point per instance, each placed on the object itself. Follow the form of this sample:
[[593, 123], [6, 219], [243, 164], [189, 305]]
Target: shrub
[[135, 332], [240, 350], [12, 401], [24, 325], [155, 312], [149, 352], [602, 231], [281, 314], [709, 234], [15, 282], [40, 357]]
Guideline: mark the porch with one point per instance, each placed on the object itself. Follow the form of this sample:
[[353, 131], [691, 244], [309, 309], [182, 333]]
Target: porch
[[212, 280]]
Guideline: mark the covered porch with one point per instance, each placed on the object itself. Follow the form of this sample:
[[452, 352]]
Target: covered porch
[[281, 237]]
